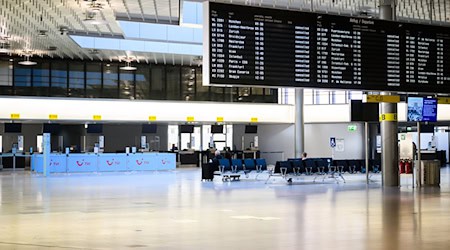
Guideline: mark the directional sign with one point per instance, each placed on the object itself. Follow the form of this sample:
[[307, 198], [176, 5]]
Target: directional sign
[[382, 98], [443, 100]]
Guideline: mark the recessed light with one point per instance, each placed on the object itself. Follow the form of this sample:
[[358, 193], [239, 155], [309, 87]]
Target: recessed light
[[27, 63], [128, 67]]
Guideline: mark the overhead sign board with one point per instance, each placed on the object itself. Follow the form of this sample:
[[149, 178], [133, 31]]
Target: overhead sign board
[[256, 46]]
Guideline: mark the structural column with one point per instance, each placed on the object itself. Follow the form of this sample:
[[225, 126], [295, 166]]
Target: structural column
[[299, 123], [388, 112]]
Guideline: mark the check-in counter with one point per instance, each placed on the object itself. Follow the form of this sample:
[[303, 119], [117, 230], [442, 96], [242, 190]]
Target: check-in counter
[[434, 155], [104, 162], [188, 158]]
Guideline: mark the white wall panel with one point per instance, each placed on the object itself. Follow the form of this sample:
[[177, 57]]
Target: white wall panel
[[126, 110]]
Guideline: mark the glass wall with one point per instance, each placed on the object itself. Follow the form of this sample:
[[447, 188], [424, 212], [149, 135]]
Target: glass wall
[[41, 79], [59, 78], [127, 85], [76, 80], [110, 80], [319, 96], [93, 79], [142, 79], [6, 77]]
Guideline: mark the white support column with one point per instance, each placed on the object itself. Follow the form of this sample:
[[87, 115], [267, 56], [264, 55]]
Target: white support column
[[389, 140], [299, 124]]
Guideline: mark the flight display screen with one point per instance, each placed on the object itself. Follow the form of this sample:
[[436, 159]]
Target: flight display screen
[[270, 47]]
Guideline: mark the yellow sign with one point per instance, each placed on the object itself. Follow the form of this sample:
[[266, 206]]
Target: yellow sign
[[152, 118], [97, 117], [254, 119], [15, 116], [383, 98], [388, 117], [190, 119], [443, 100], [53, 116], [219, 119]]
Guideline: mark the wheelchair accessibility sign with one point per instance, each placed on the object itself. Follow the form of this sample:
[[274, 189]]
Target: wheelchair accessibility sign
[[332, 142]]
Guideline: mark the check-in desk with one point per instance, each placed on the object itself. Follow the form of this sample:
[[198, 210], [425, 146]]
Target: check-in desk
[[104, 162], [189, 158], [434, 155]]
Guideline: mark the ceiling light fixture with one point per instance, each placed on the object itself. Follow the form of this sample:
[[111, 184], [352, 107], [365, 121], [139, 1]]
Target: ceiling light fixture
[[128, 66], [42, 33], [91, 18], [27, 61], [94, 6]]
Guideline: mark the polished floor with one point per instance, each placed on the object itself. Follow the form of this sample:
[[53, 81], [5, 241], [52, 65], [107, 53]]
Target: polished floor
[[175, 210]]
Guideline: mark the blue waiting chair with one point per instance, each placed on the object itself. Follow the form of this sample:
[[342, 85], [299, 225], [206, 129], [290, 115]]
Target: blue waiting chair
[[249, 165], [310, 165], [297, 165], [261, 166], [224, 165], [236, 165]]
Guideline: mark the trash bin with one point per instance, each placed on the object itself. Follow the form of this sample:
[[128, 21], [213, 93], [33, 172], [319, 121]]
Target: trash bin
[[430, 172]]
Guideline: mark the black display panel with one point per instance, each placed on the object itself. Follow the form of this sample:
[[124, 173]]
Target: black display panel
[[13, 127], [270, 47], [52, 128], [149, 128], [364, 112], [187, 129], [216, 129], [251, 129], [426, 128], [94, 129]]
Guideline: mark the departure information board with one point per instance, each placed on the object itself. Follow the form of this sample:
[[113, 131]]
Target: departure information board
[[268, 47]]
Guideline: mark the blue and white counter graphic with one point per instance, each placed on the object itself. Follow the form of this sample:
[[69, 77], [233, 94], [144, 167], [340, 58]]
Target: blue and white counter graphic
[[61, 163]]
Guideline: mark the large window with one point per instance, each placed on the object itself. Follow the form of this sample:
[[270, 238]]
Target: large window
[[76, 80], [93, 79], [202, 92], [23, 79], [143, 83], [173, 83], [59, 78], [41, 79], [6, 69], [110, 80], [126, 84], [188, 84], [158, 83]]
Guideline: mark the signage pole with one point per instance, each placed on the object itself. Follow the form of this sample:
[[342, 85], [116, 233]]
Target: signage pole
[[366, 134], [419, 156], [299, 124]]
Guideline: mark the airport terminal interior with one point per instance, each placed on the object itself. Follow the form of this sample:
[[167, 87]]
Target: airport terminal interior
[[194, 124]]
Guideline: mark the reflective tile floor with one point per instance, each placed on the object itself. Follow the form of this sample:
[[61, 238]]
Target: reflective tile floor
[[175, 210]]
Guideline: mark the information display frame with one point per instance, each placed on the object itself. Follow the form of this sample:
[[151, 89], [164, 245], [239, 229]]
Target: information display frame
[[422, 109]]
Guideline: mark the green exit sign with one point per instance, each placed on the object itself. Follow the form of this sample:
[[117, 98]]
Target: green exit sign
[[352, 128]]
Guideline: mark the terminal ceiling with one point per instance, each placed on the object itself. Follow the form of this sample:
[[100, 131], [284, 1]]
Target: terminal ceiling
[[41, 27]]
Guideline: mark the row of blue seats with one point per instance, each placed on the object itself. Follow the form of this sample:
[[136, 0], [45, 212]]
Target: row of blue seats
[[324, 165], [239, 165]]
